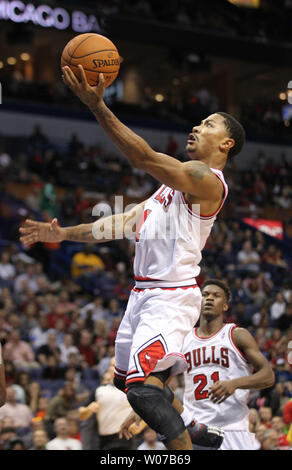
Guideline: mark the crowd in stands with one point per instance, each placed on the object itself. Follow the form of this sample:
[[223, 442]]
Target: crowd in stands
[[217, 16], [60, 309]]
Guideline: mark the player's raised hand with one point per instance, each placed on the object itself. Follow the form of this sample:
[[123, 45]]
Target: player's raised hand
[[89, 95], [32, 232]]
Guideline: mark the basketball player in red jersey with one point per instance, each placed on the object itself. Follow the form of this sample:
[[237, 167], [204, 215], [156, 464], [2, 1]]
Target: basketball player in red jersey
[[160, 310]]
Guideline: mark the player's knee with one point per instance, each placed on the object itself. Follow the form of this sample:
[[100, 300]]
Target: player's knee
[[120, 383], [151, 404], [162, 375]]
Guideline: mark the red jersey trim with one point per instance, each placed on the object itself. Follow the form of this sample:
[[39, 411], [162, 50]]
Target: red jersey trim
[[208, 337], [139, 289], [202, 216], [124, 372], [145, 279], [233, 343]]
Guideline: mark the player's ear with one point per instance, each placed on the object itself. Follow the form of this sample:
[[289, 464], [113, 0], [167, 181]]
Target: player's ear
[[227, 144], [225, 307]]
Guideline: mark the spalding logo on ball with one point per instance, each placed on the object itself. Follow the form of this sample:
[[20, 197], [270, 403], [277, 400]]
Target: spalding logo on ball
[[96, 54]]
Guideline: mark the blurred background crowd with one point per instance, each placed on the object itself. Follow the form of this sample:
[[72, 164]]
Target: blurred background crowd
[[61, 305]]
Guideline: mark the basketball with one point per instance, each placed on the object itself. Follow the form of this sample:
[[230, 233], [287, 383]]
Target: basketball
[[96, 54]]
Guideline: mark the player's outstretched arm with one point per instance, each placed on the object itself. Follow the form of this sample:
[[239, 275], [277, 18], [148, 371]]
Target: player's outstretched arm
[[2, 381], [192, 177], [262, 378], [103, 230]]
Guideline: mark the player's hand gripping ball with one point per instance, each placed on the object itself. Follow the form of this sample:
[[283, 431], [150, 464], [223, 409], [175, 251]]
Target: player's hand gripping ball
[[96, 54]]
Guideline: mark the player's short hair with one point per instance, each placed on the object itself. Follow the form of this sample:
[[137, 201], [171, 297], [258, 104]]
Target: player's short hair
[[235, 131], [222, 285]]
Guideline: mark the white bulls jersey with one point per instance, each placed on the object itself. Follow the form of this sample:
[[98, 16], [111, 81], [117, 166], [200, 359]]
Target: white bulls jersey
[[170, 238], [209, 360]]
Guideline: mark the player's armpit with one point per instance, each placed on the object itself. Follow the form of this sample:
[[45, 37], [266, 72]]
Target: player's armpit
[[193, 177], [264, 376]]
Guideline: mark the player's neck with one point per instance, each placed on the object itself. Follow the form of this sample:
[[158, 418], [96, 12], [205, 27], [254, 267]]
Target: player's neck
[[215, 161], [209, 326]]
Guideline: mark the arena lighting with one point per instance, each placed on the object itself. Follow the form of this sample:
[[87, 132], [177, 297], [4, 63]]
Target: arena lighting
[[246, 3], [282, 96], [25, 56], [159, 97], [48, 17], [1, 64], [11, 61]]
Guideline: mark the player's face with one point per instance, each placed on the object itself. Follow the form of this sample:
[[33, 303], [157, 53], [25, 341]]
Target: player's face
[[213, 301], [207, 138]]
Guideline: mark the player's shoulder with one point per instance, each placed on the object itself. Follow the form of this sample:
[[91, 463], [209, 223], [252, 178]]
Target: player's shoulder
[[241, 336]]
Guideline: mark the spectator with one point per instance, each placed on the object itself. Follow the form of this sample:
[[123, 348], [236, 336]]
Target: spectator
[[270, 440], [150, 441], [96, 308], [85, 347], [254, 420], [287, 413], [46, 351], [67, 347], [248, 258], [73, 378], [265, 415], [7, 270], [39, 334], [20, 413], [279, 426], [277, 308], [62, 441], [40, 440], [85, 262], [59, 406], [285, 320], [19, 352], [6, 435], [26, 280], [16, 444]]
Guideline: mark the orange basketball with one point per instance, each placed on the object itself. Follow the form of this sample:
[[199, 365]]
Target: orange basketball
[[96, 54]]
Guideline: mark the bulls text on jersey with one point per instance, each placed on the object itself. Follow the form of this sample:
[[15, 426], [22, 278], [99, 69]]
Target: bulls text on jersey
[[207, 355]]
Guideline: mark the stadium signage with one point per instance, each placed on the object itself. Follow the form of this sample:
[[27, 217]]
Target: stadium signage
[[274, 228], [48, 17]]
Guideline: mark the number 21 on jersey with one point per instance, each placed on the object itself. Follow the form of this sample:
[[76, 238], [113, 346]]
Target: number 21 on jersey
[[201, 393]]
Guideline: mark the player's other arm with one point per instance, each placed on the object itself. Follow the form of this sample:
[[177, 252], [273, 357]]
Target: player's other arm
[[262, 378], [103, 230], [2, 381], [192, 177]]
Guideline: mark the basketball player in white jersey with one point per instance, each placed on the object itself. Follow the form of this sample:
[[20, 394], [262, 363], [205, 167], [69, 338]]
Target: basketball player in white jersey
[[221, 358], [165, 303]]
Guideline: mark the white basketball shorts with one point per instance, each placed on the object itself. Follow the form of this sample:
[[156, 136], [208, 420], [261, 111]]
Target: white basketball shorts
[[238, 440], [151, 334]]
